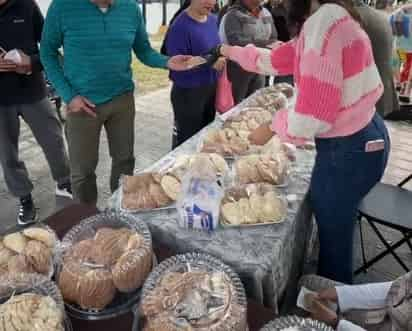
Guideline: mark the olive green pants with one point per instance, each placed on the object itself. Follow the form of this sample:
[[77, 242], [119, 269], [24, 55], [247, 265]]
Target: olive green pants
[[83, 137]]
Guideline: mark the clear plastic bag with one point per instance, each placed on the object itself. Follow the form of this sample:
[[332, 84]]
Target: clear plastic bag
[[252, 205], [104, 256], [33, 250], [268, 99], [32, 302], [145, 192], [196, 291], [269, 168], [199, 202]]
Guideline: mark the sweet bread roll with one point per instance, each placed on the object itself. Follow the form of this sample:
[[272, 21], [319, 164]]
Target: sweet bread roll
[[96, 289], [135, 241], [171, 186], [80, 252], [273, 208], [44, 236], [219, 163], [257, 203], [131, 270], [20, 264], [159, 196], [39, 256], [109, 246], [231, 213], [15, 242], [69, 278]]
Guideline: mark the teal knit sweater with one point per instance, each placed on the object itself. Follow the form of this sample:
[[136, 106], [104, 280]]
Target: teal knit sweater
[[97, 48]]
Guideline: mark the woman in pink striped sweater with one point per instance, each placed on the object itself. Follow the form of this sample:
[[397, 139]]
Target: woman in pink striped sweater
[[338, 86]]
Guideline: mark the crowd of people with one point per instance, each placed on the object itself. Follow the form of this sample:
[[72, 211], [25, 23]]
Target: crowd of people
[[337, 52]]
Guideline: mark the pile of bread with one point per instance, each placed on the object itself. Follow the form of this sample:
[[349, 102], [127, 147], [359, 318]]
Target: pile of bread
[[272, 98], [193, 300], [155, 190], [29, 251], [30, 312], [247, 121], [225, 141], [94, 269], [262, 168], [260, 204]]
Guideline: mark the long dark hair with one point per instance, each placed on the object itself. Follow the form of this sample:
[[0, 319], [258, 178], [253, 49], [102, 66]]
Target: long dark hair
[[299, 11], [183, 7]]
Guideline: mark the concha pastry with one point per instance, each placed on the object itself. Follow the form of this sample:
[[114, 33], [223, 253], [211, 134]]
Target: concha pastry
[[135, 241], [20, 264], [109, 246], [69, 279], [96, 289], [131, 270], [81, 251], [15, 242], [39, 256], [46, 237]]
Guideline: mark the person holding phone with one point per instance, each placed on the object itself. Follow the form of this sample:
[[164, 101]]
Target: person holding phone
[[96, 82], [23, 95]]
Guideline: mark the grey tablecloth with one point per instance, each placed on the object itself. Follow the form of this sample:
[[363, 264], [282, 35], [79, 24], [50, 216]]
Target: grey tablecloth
[[268, 258]]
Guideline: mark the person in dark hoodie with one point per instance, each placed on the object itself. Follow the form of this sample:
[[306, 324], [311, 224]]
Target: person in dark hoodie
[[23, 94], [247, 22]]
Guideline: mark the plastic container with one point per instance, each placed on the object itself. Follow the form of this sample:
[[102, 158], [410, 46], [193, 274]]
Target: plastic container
[[105, 260], [33, 250], [295, 323], [252, 205], [193, 295], [15, 285], [273, 169]]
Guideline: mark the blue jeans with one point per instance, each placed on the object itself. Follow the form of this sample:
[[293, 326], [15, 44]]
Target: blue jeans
[[343, 174]]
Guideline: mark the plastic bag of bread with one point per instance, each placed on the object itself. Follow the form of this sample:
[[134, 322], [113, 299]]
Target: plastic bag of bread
[[148, 191], [226, 142], [31, 302], [262, 168], [268, 99], [103, 256], [33, 250], [247, 121], [199, 204], [184, 163], [285, 88], [193, 292], [254, 204]]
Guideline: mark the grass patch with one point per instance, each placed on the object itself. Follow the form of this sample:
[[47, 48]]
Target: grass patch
[[149, 79]]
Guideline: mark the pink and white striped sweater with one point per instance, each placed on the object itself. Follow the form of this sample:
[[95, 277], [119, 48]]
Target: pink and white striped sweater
[[336, 77]]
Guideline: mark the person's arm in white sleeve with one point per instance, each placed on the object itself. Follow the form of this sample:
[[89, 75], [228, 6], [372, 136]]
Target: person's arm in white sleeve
[[368, 296]]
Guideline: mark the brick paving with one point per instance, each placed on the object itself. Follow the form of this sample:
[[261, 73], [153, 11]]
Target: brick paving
[[153, 140]]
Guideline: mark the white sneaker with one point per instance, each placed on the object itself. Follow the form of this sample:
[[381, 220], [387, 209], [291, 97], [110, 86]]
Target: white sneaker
[[64, 190]]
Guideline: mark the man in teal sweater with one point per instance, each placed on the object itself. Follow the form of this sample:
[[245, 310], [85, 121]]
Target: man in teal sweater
[[98, 37]]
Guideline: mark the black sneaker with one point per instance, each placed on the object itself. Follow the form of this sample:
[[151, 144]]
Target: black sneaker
[[64, 190], [27, 212]]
